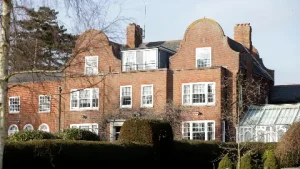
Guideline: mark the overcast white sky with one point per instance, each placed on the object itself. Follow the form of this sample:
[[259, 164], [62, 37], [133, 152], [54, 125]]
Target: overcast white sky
[[275, 26]]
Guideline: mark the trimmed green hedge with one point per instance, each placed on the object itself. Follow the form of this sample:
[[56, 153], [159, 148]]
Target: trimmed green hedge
[[25, 135], [64, 154], [146, 131], [78, 134]]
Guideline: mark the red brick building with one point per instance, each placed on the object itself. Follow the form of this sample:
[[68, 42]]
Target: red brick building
[[104, 83]]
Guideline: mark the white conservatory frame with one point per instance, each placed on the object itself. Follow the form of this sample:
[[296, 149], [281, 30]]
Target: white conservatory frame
[[267, 123]]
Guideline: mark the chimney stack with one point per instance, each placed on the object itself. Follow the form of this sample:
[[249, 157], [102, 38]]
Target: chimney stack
[[242, 34], [134, 35]]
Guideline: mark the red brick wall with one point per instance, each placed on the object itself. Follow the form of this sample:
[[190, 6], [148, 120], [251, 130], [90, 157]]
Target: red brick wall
[[29, 98], [167, 83]]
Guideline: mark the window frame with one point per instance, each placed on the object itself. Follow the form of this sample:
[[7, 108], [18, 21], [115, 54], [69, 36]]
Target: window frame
[[78, 108], [48, 128], [85, 66], [14, 97], [209, 58], [90, 125], [28, 125], [206, 103], [47, 111], [145, 66], [125, 106], [205, 129], [147, 105], [10, 133]]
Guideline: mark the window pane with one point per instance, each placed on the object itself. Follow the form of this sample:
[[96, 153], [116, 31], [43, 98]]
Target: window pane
[[14, 104], [84, 98], [210, 131], [203, 56], [74, 99], [147, 95], [95, 96], [126, 96], [198, 93], [186, 130], [186, 94], [210, 93], [198, 131], [91, 66], [44, 105]]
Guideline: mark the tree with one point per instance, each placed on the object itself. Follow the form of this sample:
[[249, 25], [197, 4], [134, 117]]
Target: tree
[[39, 42], [288, 148], [225, 163], [9, 7], [250, 90]]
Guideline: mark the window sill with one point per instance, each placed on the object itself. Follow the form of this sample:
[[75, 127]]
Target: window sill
[[209, 105], [87, 109], [41, 112], [125, 107], [13, 112], [146, 106]]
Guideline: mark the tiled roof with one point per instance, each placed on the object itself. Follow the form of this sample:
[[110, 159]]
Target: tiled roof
[[171, 45], [285, 94], [35, 77]]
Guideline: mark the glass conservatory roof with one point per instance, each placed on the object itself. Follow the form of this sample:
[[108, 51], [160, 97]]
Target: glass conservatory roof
[[269, 114]]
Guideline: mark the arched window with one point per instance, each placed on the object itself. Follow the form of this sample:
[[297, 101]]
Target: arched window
[[12, 129], [28, 127], [44, 127]]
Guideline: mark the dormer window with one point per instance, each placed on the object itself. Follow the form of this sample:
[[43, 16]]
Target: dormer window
[[145, 59], [203, 57], [91, 65]]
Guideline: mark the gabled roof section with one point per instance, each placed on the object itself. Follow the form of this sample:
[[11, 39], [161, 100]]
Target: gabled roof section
[[285, 94], [258, 67], [270, 114], [172, 45], [35, 77]]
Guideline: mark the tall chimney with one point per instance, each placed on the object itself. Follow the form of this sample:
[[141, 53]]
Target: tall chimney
[[134, 35], [242, 34]]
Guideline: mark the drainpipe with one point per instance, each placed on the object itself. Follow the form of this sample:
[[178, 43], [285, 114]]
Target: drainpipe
[[223, 131], [59, 107]]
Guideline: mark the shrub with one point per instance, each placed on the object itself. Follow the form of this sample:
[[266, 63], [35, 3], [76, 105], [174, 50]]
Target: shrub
[[78, 134], [288, 148], [246, 161], [25, 135], [62, 154], [225, 163], [270, 160], [146, 131]]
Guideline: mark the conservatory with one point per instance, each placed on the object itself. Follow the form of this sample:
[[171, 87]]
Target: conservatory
[[267, 123]]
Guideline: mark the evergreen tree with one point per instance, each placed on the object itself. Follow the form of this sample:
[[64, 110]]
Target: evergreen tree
[[225, 163], [39, 42]]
